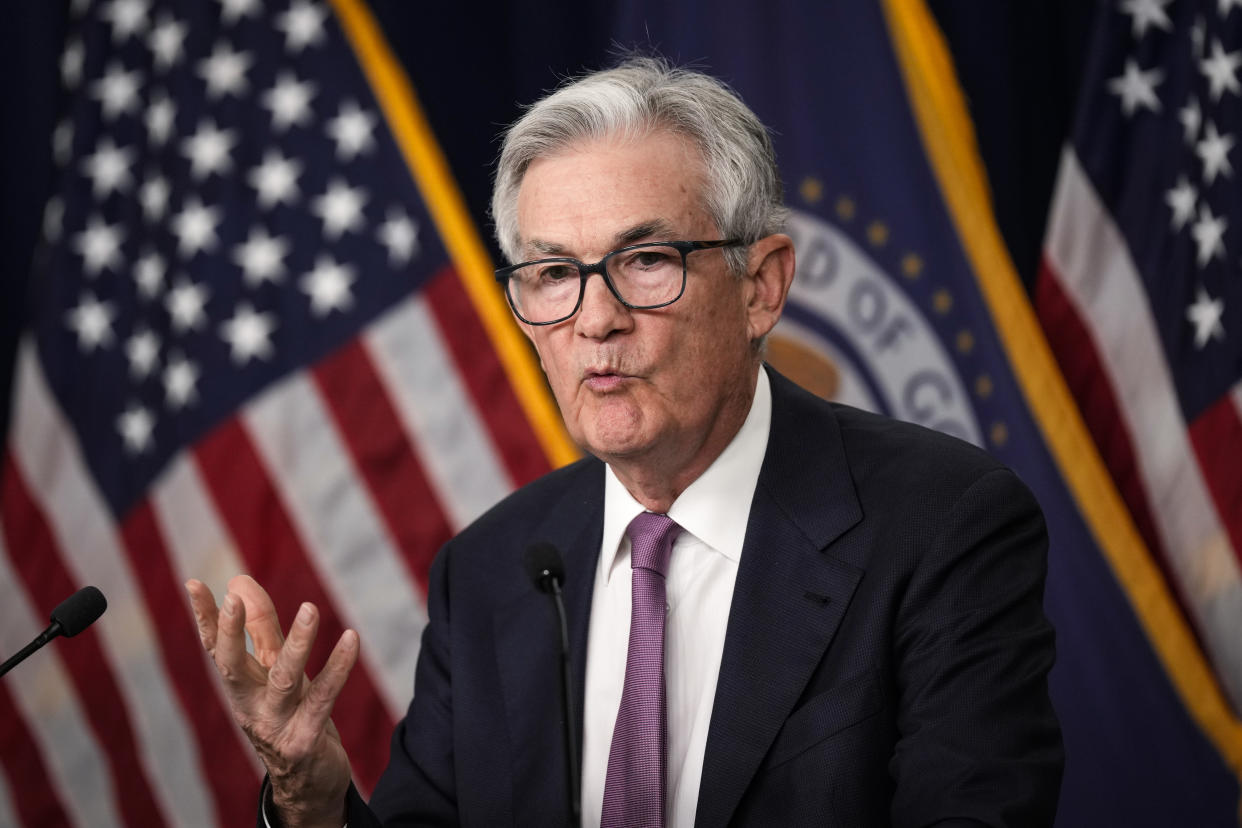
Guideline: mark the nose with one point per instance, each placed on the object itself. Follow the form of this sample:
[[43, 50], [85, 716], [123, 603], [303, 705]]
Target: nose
[[601, 313]]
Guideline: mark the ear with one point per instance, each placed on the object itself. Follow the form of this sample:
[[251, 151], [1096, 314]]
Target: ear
[[769, 273]]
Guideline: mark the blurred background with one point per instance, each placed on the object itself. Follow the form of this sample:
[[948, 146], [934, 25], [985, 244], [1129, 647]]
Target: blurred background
[[248, 323]]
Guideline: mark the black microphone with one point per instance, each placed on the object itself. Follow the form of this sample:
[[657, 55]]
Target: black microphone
[[74, 614], [543, 564]]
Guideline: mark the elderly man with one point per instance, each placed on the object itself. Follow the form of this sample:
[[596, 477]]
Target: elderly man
[[782, 611]]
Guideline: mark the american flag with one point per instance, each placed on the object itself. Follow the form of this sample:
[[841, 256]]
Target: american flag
[[259, 344], [1141, 292]]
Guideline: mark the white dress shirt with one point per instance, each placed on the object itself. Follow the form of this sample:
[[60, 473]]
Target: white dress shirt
[[712, 513]]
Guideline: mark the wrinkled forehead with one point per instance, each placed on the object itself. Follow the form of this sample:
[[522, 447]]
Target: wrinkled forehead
[[611, 191]]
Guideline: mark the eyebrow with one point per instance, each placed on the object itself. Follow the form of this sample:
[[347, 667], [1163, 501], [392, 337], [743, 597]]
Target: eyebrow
[[658, 228]]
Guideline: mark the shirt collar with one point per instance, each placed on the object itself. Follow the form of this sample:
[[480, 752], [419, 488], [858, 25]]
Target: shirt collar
[[715, 508]]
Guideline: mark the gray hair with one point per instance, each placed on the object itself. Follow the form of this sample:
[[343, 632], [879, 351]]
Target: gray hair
[[743, 192]]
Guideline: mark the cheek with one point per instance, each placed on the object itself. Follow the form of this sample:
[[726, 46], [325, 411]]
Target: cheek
[[718, 337], [561, 374]]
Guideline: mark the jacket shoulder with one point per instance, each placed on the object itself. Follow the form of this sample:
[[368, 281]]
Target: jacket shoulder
[[887, 461]]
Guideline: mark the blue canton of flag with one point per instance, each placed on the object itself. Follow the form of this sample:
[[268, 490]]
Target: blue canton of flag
[[226, 215]]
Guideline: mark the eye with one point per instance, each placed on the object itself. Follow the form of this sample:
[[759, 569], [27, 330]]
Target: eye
[[651, 259], [553, 273]]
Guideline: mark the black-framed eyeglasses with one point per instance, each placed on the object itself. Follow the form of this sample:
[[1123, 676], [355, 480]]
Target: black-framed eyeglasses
[[641, 276]]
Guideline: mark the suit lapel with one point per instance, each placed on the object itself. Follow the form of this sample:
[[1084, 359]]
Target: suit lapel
[[789, 598], [528, 655]]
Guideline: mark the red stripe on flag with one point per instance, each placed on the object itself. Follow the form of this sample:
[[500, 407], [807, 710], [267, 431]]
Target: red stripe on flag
[[257, 519], [232, 780], [514, 438], [48, 583], [371, 428], [36, 801], [1217, 438], [1092, 387]]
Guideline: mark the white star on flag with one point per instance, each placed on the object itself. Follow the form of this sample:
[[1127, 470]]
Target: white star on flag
[[248, 334], [400, 236], [116, 91], [195, 227], [100, 246], [340, 208], [180, 382], [1221, 71], [1137, 88], [154, 197], [185, 304], [1182, 201], [276, 179], [53, 218], [161, 116], [1209, 234], [135, 427], [143, 352], [1205, 314], [62, 142], [128, 17], [1192, 118], [166, 41], [351, 130], [328, 286], [225, 72], [208, 149], [91, 320], [1213, 151], [233, 10], [302, 25], [289, 101], [261, 257], [71, 63], [149, 273], [1146, 13], [108, 168]]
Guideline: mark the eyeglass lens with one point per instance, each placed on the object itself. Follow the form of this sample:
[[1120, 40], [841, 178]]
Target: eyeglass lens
[[644, 277]]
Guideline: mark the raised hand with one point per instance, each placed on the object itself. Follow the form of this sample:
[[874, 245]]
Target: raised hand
[[285, 714]]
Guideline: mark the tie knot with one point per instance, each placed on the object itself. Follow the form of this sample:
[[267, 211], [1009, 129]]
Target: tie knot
[[651, 541]]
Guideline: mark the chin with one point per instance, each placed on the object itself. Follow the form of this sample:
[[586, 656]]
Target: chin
[[607, 441]]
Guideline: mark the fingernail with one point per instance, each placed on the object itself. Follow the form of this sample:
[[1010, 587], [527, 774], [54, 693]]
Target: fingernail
[[304, 614], [228, 606]]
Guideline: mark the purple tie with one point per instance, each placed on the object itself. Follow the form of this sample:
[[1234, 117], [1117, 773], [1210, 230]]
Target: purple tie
[[634, 787]]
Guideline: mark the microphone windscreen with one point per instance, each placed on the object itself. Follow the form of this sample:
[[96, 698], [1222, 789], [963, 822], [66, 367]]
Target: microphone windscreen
[[79, 610], [543, 565]]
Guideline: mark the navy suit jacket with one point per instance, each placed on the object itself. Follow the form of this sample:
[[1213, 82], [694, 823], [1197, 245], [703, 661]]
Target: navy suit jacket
[[885, 660]]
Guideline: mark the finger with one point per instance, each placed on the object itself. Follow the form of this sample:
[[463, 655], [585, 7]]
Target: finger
[[284, 680], [261, 620], [232, 660], [323, 691], [203, 603]]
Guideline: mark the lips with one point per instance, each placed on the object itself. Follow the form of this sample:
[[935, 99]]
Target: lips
[[602, 379]]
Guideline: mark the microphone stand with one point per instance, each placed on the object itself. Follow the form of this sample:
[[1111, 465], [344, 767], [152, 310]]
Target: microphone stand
[[571, 735], [22, 654]]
